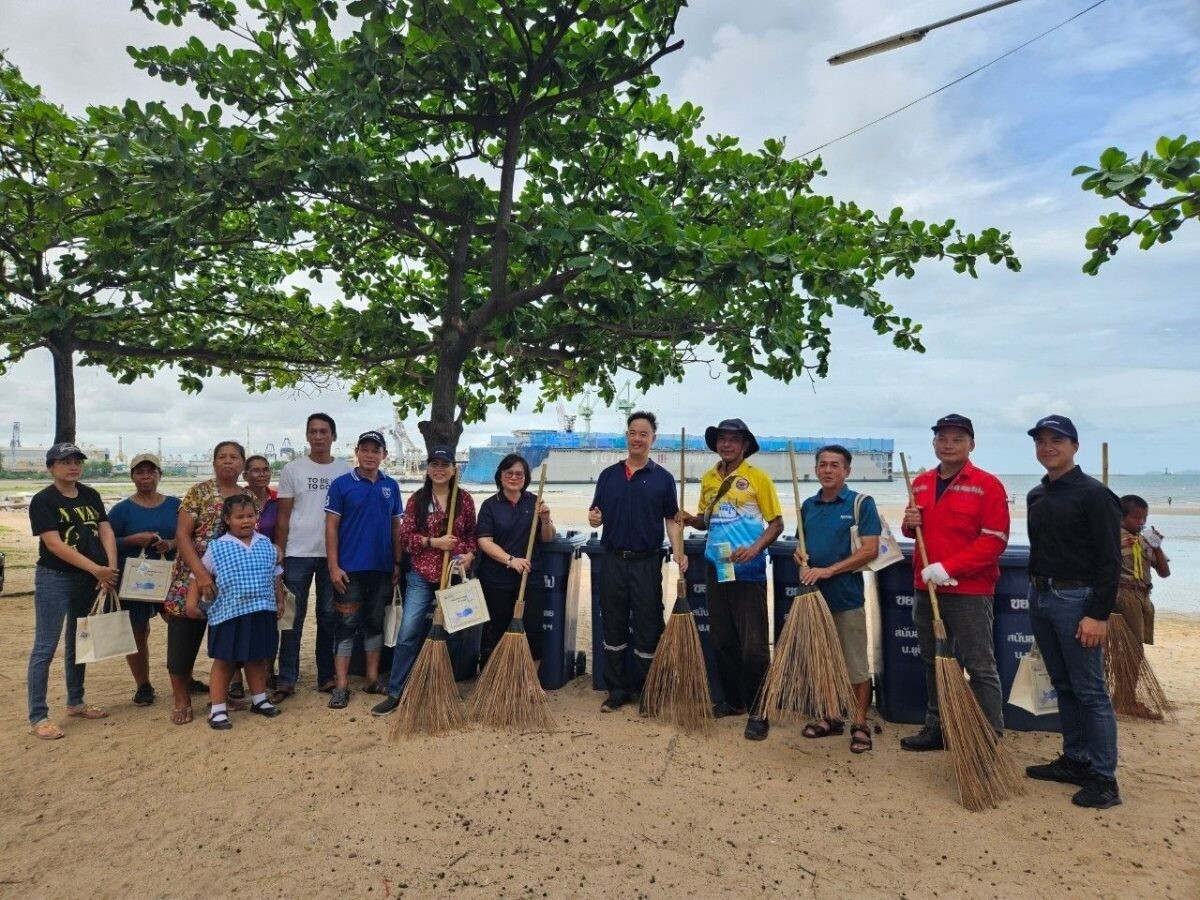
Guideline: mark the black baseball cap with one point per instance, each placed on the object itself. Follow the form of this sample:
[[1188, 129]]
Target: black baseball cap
[[63, 450], [442, 452], [711, 432], [1061, 424], [954, 420], [375, 436]]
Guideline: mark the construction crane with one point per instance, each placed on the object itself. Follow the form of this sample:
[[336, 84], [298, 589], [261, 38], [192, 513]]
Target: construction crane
[[625, 401], [566, 421], [16, 436], [286, 450], [587, 408]]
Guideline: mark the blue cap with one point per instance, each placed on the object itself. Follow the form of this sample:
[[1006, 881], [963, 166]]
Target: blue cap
[[442, 452], [63, 450], [376, 437], [1060, 424]]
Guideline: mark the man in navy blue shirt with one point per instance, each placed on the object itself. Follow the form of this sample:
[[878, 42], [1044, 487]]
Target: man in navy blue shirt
[[362, 543], [833, 566], [634, 500]]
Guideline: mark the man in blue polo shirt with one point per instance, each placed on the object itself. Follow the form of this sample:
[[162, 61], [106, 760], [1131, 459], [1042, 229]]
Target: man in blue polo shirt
[[362, 543], [634, 499], [833, 566]]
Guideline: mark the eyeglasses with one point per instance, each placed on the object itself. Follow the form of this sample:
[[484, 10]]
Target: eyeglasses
[[515, 473]]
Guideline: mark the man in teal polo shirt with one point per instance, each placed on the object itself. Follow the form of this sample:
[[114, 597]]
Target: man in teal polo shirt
[[833, 566]]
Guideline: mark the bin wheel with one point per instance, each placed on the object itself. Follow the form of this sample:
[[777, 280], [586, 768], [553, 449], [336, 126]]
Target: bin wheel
[[580, 663]]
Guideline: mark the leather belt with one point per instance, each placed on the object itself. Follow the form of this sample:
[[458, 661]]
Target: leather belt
[[1065, 584], [636, 554]]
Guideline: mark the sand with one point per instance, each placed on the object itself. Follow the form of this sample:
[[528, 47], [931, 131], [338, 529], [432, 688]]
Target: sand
[[320, 803]]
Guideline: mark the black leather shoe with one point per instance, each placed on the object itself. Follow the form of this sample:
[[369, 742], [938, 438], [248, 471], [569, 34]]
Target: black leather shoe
[[265, 708], [614, 701], [1063, 770], [219, 722], [1098, 793], [724, 708], [757, 729], [925, 739]]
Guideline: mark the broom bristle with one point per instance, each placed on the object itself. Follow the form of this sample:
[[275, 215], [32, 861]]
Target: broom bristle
[[508, 694], [430, 703], [984, 769], [677, 684], [808, 675], [1134, 687]]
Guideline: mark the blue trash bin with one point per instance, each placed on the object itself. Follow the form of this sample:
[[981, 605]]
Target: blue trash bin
[[560, 662], [596, 555], [1014, 636], [900, 687], [785, 581], [697, 597]]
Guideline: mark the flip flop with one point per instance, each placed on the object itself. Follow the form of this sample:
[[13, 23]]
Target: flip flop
[[87, 711], [47, 731], [822, 729], [181, 715]]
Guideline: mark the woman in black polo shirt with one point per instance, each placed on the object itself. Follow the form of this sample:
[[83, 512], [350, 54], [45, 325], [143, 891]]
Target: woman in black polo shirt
[[502, 530]]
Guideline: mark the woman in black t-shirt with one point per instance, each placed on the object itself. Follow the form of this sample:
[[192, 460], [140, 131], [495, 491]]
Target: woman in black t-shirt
[[502, 531], [77, 554]]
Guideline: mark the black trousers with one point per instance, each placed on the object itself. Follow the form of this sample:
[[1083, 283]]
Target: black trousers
[[501, 602], [737, 618], [630, 589]]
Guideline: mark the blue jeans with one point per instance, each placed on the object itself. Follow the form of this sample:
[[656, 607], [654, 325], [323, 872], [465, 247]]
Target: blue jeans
[[298, 572], [418, 618], [368, 593], [1089, 728], [53, 596]]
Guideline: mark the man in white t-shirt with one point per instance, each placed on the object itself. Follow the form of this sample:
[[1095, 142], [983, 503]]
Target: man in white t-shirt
[[300, 542]]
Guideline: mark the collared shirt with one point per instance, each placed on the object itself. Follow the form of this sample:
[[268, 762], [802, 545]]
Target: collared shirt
[[427, 561], [1075, 534], [1137, 561], [366, 509], [507, 524], [738, 516], [827, 526], [634, 507]]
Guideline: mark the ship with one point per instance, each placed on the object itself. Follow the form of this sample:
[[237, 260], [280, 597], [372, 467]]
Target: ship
[[577, 458]]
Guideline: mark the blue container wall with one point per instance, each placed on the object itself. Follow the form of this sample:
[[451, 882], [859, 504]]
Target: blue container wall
[[559, 616]]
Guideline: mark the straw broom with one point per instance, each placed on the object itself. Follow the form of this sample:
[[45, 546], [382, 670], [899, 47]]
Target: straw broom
[[808, 675], [676, 686], [1131, 681], [983, 768], [508, 694], [430, 702]]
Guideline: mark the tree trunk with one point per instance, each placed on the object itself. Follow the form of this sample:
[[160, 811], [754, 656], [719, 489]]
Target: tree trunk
[[64, 389], [444, 425]]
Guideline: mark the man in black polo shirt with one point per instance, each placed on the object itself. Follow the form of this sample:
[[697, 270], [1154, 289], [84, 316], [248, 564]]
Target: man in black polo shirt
[[1074, 570], [634, 499]]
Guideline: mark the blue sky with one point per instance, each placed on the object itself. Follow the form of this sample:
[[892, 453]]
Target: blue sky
[[1116, 352]]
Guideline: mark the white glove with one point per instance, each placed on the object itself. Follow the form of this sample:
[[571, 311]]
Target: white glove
[[936, 574], [1153, 537]]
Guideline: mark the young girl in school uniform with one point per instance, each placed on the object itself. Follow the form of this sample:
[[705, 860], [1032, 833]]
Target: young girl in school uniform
[[242, 619]]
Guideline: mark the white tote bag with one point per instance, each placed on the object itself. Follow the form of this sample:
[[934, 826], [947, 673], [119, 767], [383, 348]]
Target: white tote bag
[[146, 580], [889, 550], [100, 635], [463, 604], [1032, 689], [393, 617], [288, 620]]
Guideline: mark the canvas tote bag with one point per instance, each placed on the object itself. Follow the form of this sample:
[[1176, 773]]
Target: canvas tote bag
[[1032, 689], [103, 635], [393, 617], [147, 580], [889, 550], [463, 604]]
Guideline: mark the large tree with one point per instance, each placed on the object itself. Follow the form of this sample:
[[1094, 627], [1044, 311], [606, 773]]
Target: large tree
[[102, 266], [500, 195]]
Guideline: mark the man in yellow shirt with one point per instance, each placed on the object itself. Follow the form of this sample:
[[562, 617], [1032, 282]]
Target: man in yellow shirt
[[740, 511]]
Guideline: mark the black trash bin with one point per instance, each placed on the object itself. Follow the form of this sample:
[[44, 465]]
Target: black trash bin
[[697, 597], [785, 581], [560, 618], [1014, 636], [900, 687]]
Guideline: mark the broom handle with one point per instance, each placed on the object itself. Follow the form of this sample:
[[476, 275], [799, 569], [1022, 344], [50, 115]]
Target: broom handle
[[450, 513], [920, 541], [796, 500], [519, 609]]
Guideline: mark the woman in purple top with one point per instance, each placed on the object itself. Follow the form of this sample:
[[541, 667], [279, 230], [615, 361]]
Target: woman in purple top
[[257, 476]]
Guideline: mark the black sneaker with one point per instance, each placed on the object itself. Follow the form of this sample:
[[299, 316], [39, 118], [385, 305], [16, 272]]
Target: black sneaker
[[757, 729], [339, 698], [1098, 793], [725, 708], [1064, 770], [145, 695], [926, 739], [386, 706], [614, 701]]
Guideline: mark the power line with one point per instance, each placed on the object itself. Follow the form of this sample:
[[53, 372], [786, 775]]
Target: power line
[[951, 84]]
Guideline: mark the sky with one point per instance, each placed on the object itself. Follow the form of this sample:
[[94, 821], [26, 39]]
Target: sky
[[1117, 352]]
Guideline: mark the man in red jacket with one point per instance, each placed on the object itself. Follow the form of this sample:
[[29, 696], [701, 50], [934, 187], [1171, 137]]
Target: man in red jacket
[[963, 513]]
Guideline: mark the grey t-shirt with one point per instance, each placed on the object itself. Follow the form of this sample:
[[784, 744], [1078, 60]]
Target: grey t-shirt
[[306, 483]]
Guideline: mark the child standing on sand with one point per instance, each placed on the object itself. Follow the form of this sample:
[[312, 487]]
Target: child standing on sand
[[242, 618]]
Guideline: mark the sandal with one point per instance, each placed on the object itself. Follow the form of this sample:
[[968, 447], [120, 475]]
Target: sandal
[[860, 738], [378, 686], [220, 721], [280, 694], [86, 711], [145, 695], [181, 715], [237, 691], [326, 687], [47, 731], [266, 708], [823, 728]]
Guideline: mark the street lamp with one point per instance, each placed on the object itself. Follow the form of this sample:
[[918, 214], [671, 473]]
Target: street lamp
[[911, 36]]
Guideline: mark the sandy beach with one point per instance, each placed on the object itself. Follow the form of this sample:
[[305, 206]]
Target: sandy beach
[[321, 803]]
